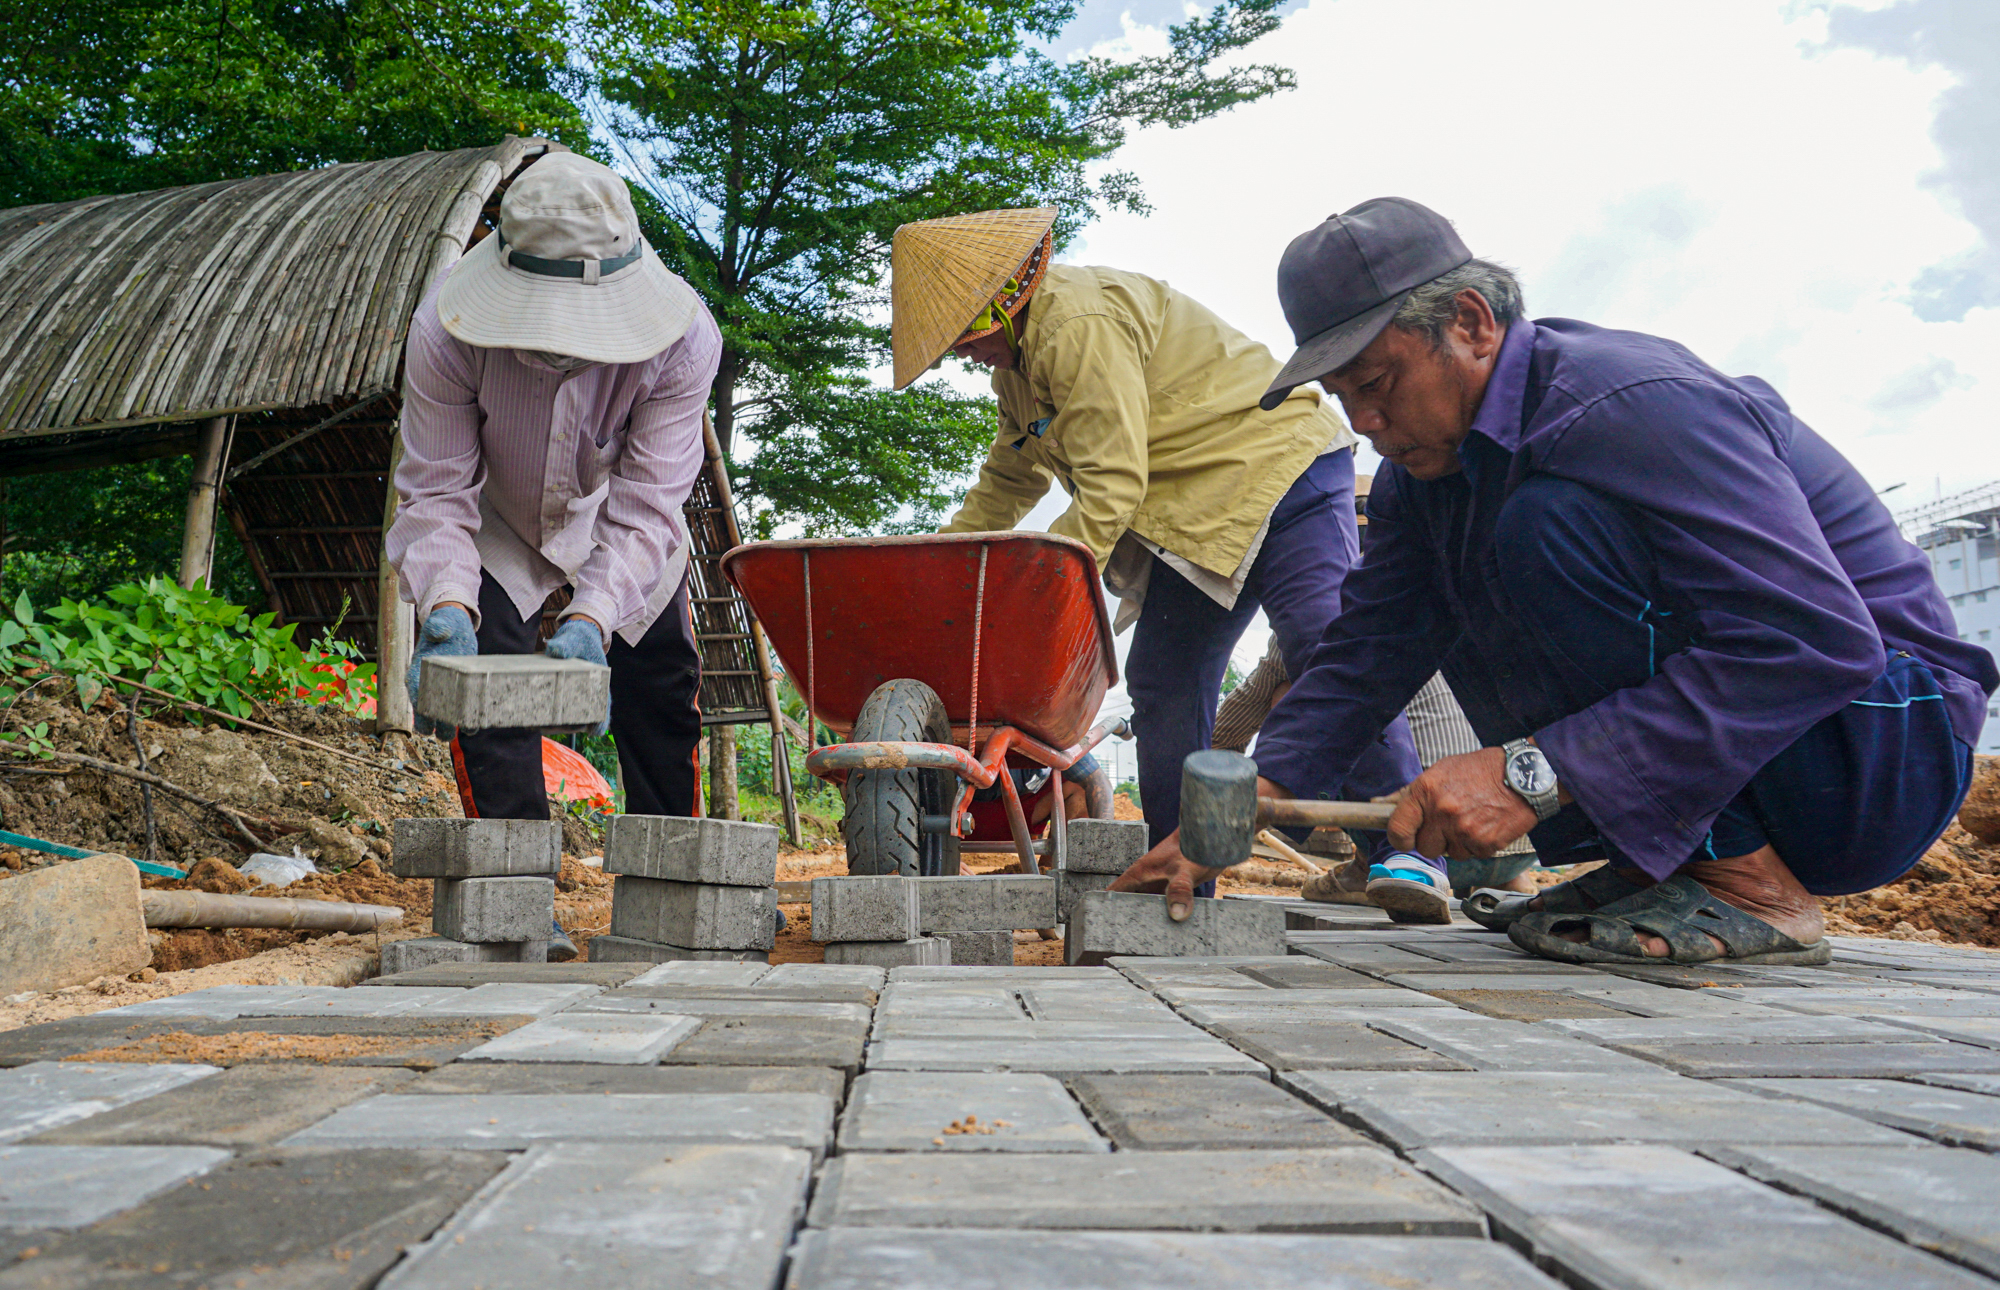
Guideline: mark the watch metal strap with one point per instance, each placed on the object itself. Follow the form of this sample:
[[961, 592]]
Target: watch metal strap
[[1544, 805]]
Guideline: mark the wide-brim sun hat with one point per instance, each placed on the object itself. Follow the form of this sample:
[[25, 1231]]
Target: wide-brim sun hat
[[567, 272], [947, 271]]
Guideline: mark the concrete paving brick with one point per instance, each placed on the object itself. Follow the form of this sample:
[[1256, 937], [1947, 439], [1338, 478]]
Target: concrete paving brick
[[984, 948], [694, 972], [1778, 1027], [919, 951], [1333, 1189], [467, 975], [1093, 1005], [419, 952], [1172, 974], [1900, 1001], [872, 1258], [432, 848], [590, 1214], [1104, 846], [66, 1187], [868, 907], [949, 1002], [1330, 1045], [515, 1122], [219, 1002], [1495, 1108], [45, 1095], [746, 1008], [503, 999], [492, 909], [1529, 1005], [1061, 1057], [1042, 976], [774, 1041], [606, 948], [818, 974], [693, 915], [616, 1039], [418, 1043], [1205, 1113], [246, 1106], [985, 903], [1488, 1044], [1301, 973], [1819, 1061], [752, 993], [1108, 923], [1459, 979], [1982, 1031], [1632, 1217], [1031, 1031], [921, 1111], [329, 1220], [341, 1001], [542, 1078], [1072, 886], [1952, 1116], [1361, 954], [514, 692], [729, 853], [1936, 1198], [1698, 976], [1300, 1001]]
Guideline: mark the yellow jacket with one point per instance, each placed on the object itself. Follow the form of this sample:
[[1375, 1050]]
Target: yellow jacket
[[1144, 405]]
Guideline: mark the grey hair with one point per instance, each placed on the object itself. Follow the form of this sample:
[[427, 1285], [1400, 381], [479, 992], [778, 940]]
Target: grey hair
[[1433, 307]]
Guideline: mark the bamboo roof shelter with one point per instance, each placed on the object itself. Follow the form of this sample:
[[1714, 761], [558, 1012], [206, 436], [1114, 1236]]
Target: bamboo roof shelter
[[259, 325]]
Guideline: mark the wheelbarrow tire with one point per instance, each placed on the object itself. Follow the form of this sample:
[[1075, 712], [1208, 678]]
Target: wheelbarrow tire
[[885, 807]]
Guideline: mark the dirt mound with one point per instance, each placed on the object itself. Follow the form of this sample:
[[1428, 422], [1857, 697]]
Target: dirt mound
[[1980, 815], [1953, 894]]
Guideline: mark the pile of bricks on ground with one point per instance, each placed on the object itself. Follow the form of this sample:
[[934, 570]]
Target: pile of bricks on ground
[[689, 889]]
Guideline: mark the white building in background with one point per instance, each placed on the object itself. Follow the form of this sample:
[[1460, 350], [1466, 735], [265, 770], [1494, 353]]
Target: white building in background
[[1961, 534]]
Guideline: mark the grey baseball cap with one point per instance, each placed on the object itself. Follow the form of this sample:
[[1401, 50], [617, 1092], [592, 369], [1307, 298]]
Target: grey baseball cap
[[1341, 283]]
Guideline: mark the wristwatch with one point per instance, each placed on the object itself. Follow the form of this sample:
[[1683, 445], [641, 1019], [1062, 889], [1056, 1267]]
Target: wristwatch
[[1530, 775]]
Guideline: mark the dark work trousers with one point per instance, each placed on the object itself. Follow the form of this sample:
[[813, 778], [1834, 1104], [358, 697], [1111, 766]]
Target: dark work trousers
[[1181, 645], [1854, 803], [655, 717]]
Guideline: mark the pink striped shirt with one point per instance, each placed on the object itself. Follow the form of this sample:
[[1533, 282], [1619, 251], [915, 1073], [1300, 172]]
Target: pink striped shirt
[[544, 478]]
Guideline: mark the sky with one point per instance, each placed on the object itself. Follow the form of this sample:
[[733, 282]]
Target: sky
[[1801, 190]]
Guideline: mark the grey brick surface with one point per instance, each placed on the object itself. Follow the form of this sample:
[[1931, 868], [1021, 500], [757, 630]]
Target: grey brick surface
[[614, 1038], [1982, 1031], [1488, 1044], [1072, 885], [1933, 1197], [647, 1001], [826, 974], [921, 1111], [1301, 973], [467, 975], [1422, 1108], [984, 948], [999, 902], [1061, 1057], [1104, 846], [1336, 1189], [1648, 1216], [433, 848], [866, 1258], [920, 951], [1107, 923], [74, 1186], [246, 1106], [1778, 1027], [870, 907], [701, 972], [502, 999], [606, 948], [419, 952], [1817, 1061], [337, 1001], [514, 1121], [1954, 1117], [729, 853], [514, 691], [1204, 1112], [596, 1214], [773, 1041], [219, 1002], [493, 909], [545, 1078], [1330, 1045], [45, 1095], [694, 915]]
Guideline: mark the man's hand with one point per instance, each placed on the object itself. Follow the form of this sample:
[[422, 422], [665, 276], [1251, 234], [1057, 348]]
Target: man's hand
[[447, 633], [1462, 808], [580, 638], [1165, 869]]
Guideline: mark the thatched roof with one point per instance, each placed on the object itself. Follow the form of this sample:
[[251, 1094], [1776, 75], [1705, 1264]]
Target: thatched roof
[[279, 291]]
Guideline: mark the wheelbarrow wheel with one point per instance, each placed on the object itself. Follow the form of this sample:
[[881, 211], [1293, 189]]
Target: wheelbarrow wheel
[[885, 808]]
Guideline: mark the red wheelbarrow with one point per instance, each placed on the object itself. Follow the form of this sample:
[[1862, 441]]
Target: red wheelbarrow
[[946, 660]]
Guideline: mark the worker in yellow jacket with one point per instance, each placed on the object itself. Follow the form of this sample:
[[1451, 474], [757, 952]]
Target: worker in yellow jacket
[[1199, 505]]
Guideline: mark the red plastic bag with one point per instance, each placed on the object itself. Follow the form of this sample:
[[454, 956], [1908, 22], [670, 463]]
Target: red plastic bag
[[569, 778]]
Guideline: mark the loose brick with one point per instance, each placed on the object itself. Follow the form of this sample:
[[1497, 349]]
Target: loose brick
[[477, 848], [876, 907], [1114, 922], [718, 852], [694, 915], [514, 691], [924, 951], [1104, 846], [493, 909], [1000, 902]]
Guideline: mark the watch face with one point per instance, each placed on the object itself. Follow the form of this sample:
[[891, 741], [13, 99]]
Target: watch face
[[1530, 773]]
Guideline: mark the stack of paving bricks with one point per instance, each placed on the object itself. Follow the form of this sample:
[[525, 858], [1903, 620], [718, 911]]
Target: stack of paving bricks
[[493, 890], [1100, 923], [874, 920], [689, 889], [979, 914], [1096, 852]]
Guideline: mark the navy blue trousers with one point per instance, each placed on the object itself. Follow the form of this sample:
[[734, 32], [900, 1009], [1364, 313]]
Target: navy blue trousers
[[1851, 805], [1181, 644]]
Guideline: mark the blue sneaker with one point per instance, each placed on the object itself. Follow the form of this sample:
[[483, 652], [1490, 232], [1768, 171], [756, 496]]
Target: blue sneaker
[[561, 948], [1409, 889]]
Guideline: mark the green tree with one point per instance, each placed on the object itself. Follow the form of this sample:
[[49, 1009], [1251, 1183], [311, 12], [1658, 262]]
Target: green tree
[[779, 157]]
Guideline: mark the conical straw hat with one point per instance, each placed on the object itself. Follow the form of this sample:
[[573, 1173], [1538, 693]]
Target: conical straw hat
[[946, 270]]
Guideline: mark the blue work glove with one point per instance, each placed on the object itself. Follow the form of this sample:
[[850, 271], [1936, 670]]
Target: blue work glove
[[580, 639], [447, 633]]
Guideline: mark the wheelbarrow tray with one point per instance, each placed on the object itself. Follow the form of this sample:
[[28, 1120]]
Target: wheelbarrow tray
[[893, 607]]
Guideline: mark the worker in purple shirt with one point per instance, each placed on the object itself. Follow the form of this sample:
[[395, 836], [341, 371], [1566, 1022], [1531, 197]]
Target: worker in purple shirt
[[1688, 634]]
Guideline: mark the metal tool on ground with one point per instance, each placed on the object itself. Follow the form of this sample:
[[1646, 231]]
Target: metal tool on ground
[[1221, 812]]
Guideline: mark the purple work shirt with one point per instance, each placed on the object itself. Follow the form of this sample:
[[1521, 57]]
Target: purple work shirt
[[1792, 568]]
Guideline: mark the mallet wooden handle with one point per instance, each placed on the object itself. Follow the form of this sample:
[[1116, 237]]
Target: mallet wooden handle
[[1306, 814]]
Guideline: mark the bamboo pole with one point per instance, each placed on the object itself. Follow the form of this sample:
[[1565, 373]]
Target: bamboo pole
[[198, 534], [394, 622]]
